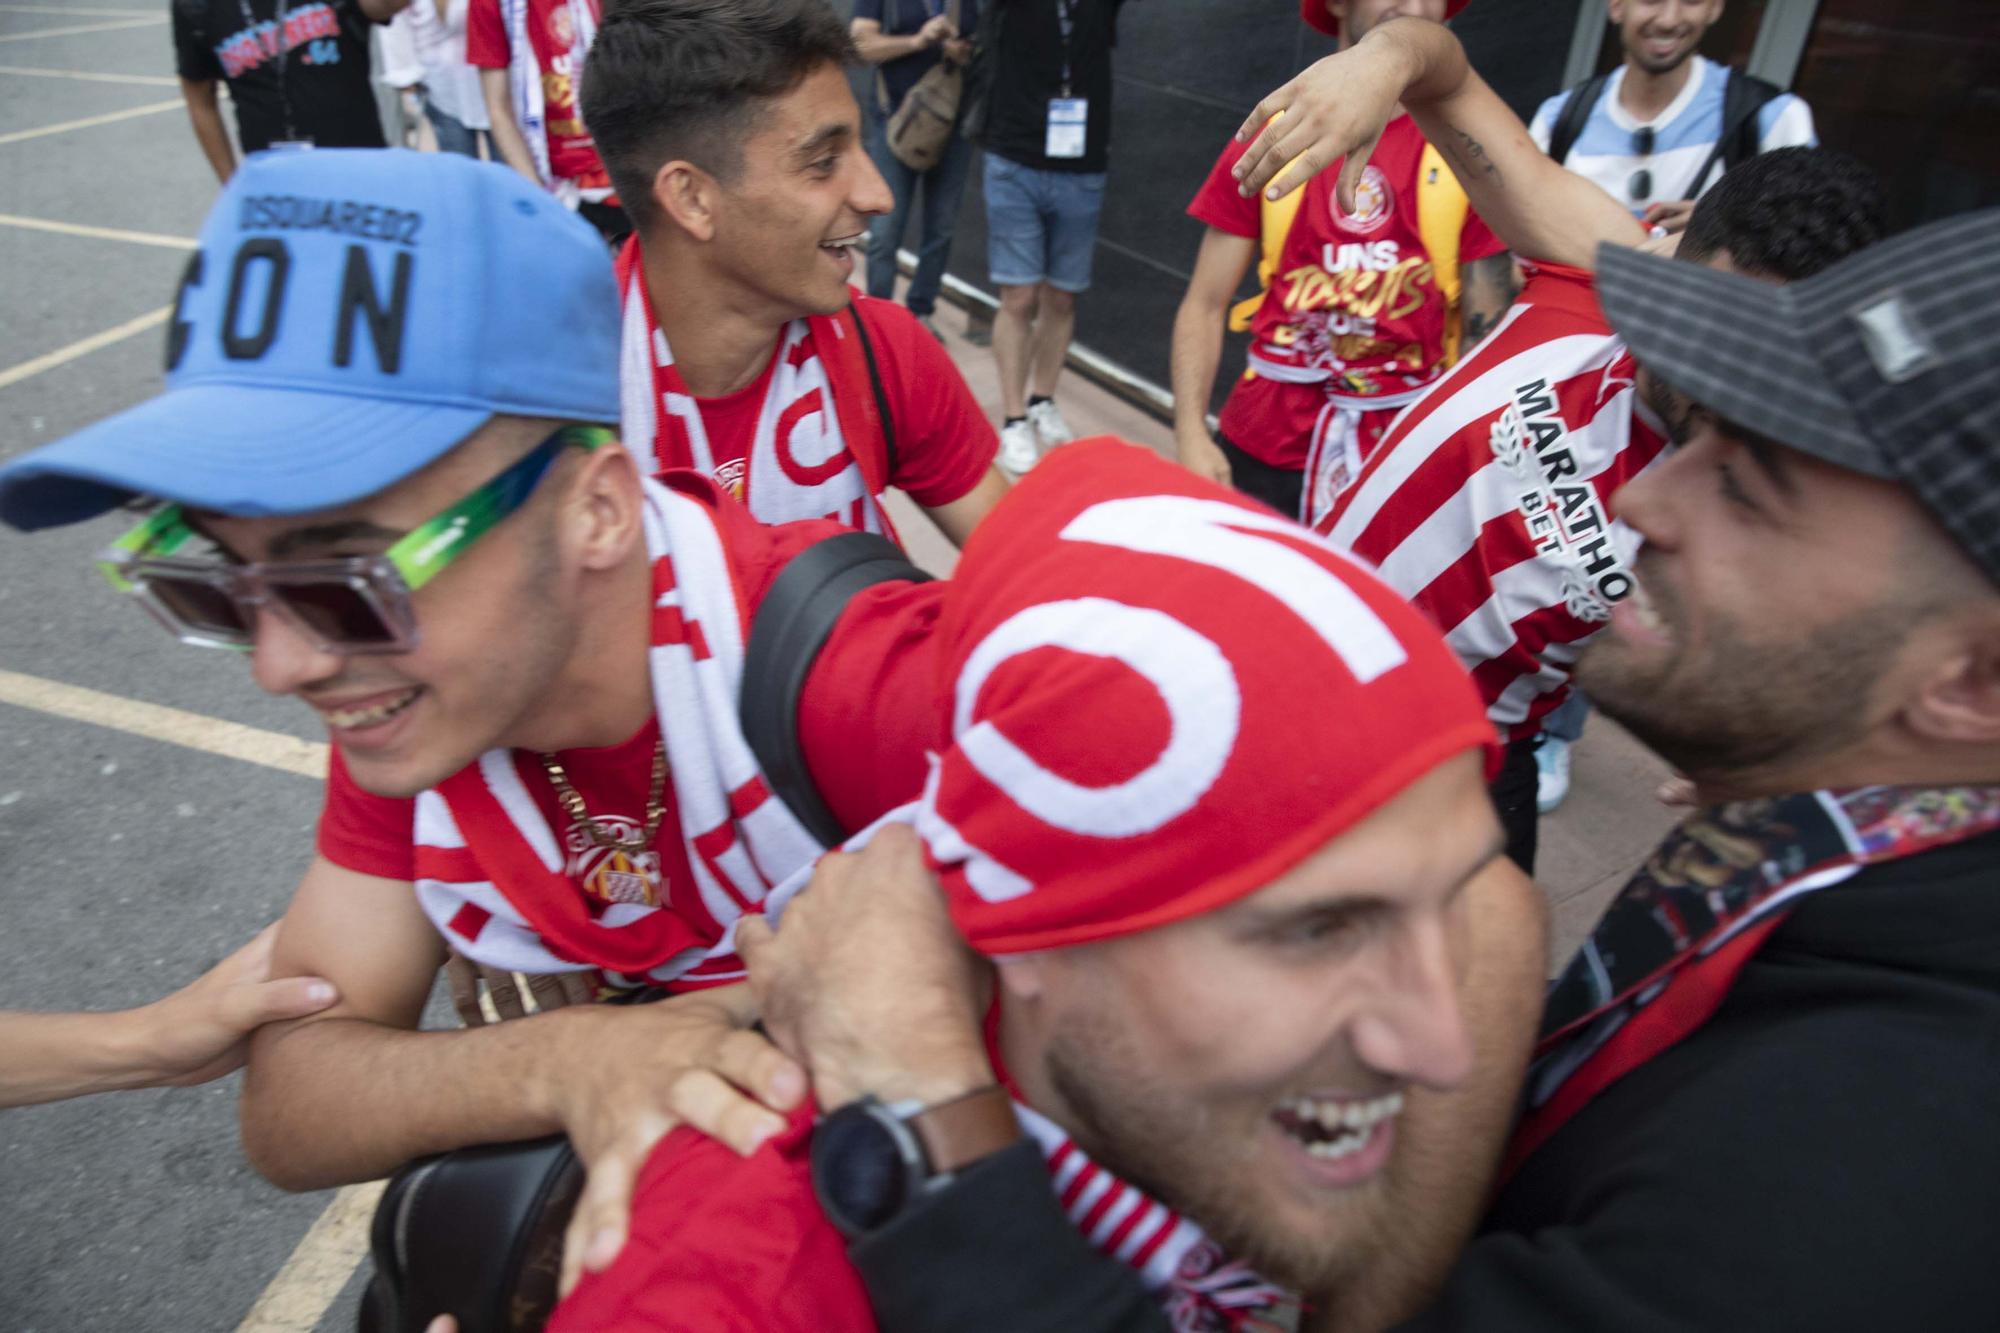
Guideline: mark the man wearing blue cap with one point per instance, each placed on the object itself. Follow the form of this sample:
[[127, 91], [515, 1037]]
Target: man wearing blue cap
[[381, 468]]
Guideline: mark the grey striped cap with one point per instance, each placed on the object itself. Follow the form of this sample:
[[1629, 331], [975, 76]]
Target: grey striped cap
[[1887, 363]]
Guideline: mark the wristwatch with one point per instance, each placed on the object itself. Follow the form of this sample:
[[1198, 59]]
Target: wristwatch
[[871, 1160]]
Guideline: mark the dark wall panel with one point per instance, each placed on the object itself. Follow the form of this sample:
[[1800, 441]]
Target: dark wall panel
[[1187, 72]]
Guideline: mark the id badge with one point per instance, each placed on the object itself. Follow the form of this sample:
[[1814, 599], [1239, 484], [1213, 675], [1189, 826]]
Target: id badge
[[1069, 119], [289, 145]]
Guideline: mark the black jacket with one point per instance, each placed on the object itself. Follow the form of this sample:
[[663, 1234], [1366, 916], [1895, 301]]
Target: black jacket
[[1822, 1156]]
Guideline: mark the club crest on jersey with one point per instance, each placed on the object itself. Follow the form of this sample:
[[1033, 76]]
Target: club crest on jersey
[[1374, 202], [1564, 517], [611, 875], [730, 476]]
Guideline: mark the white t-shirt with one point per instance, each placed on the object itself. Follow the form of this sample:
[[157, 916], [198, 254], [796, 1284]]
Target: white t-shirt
[[1684, 135], [420, 47]]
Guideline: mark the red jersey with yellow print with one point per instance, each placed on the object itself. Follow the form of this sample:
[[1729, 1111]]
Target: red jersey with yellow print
[[1354, 309], [559, 48]]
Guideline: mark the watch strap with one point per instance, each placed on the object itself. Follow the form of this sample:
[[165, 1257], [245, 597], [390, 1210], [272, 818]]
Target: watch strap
[[957, 1133]]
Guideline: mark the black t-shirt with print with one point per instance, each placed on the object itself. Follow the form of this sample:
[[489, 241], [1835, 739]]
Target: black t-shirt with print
[[1028, 72], [320, 93]]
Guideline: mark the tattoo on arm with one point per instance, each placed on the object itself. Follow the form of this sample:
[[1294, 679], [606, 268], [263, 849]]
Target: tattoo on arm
[[1490, 287], [1469, 155]]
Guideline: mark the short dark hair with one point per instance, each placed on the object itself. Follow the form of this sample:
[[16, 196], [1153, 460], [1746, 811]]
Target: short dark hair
[[670, 79], [1788, 213]]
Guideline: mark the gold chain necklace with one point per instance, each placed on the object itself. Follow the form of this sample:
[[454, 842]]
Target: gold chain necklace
[[572, 802]]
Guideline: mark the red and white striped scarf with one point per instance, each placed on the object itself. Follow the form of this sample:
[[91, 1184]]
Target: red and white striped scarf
[[490, 869], [1201, 1289], [801, 462]]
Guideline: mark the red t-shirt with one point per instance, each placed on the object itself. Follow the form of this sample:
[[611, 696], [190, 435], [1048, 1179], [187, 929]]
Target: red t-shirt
[[552, 34], [868, 715], [944, 443], [1353, 297], [1489, 503]]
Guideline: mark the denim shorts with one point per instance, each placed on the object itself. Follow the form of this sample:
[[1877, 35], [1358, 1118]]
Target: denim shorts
[[1041, 226]]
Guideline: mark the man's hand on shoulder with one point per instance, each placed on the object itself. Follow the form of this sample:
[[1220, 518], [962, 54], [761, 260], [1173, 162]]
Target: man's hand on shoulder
[[868, 983], [623, 1076]]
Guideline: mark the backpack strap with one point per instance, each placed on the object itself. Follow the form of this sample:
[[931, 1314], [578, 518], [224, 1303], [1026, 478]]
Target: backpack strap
[[1441, 212], [790, 627], [884, 417], [1743, 96], [1576, 109]]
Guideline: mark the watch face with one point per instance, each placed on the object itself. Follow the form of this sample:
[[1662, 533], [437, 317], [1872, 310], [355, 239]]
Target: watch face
[[859, 1170]]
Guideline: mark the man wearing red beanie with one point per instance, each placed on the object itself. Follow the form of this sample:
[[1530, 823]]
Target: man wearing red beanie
[[1227, 933]]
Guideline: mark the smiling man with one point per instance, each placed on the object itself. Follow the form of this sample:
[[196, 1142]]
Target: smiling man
[[526, 653], [1228, 940], [735, 144], [1668, 122]]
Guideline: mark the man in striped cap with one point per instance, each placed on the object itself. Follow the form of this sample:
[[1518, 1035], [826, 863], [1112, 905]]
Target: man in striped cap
[[1780, 1033]]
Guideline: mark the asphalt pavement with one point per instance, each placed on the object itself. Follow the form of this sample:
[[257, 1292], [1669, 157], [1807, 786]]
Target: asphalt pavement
[[128, 865]]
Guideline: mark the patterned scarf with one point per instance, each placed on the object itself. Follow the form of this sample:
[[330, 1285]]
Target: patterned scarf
[[1200, 1290], [1667, 950], [490, 870], [801, 462]]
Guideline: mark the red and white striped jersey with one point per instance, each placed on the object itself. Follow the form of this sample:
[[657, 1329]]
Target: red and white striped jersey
[[1488, 505]]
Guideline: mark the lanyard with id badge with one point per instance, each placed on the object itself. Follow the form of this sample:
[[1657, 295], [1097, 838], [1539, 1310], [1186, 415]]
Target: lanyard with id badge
[[292, 139], [1069, 117]]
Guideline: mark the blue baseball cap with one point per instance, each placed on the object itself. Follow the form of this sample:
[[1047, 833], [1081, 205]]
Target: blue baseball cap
[[349, 316]]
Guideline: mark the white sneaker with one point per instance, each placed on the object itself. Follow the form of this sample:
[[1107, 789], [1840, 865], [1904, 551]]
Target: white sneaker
[[1552, 776], [1048, 422], [1020, 447]]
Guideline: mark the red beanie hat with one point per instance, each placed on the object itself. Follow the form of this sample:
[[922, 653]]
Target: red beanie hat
[[1163, 697]]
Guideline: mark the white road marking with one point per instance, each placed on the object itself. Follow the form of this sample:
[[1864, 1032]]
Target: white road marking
[[192, 731], [98, 233], [319, 1266], [83, 347], [150, 109], [76, 29], [90, 76]]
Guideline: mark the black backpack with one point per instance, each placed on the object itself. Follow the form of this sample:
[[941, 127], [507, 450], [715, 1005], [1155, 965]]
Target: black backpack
[[1743, 96]]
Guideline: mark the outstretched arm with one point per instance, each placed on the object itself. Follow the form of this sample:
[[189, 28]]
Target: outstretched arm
[[198, 1033], [354, 1092], [1339, 106]]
